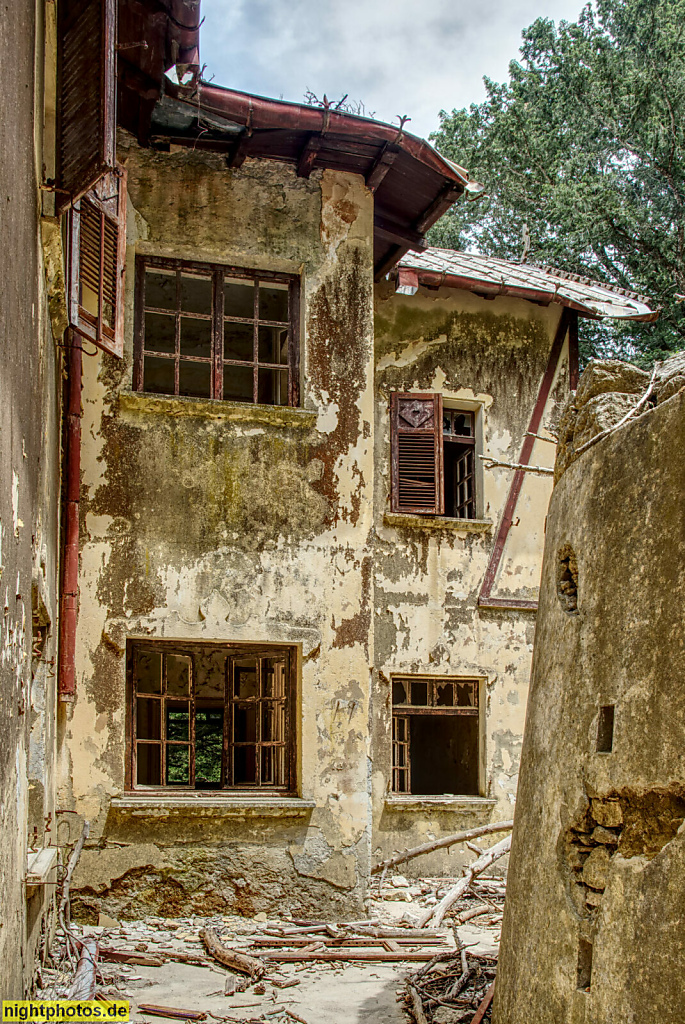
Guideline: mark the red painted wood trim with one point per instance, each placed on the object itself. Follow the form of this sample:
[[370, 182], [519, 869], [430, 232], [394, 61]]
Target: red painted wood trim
[[524, 458], [484, 1006]]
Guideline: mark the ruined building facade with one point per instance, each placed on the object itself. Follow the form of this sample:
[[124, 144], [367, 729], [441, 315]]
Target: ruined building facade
[[593, 928], [270, 569]]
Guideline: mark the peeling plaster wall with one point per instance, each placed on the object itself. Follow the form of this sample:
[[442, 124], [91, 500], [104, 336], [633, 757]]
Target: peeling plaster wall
[[619, 508], [491, 353], [210, 521], [29, 503]]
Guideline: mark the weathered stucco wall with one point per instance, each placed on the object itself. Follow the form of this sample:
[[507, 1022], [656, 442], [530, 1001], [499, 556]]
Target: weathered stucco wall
[[211, 521], [593, 928], [491, 355], [29, 502]]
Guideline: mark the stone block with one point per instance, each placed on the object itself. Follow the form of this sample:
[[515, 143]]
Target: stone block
[[610, 375], [607, 813], [605, 836], [670, 377], [596, 868]]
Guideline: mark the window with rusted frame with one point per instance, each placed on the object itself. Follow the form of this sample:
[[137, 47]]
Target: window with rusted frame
[[435, 735], [208, 716], [433, 460], [213, 331]]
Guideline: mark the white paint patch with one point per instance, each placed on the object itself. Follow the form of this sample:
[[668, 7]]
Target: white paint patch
[[411, 352], [17, 523], [327, 419]]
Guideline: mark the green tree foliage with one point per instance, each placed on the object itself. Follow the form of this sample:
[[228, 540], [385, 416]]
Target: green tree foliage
[[585, 145]]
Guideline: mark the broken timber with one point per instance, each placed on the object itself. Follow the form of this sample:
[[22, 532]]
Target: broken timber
[[171, 1011], [231, 957], [363, 955], [439, 844], [437, 913]]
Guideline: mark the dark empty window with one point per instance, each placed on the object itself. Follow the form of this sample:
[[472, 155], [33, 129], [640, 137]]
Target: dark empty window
[[605, 729], [435, 735], [216, 332], [433, 457], [210, 717]]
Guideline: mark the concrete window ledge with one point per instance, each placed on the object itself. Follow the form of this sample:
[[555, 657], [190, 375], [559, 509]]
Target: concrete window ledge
[[412, 522], [228, 805], [402, 802], [207, 408]]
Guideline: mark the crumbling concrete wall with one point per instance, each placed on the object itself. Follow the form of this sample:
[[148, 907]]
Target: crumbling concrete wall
[[593, 927], [489, 355], [221, 521], [29, 503]]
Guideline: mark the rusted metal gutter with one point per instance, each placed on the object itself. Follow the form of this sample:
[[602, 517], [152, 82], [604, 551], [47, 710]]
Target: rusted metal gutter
[[259, 112], [71, 474]]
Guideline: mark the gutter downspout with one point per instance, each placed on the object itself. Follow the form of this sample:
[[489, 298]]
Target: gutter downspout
[[71, 474]]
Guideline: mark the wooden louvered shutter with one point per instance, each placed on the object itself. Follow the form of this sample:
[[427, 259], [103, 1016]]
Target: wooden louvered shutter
[[97, 261], [417, 461], [87, 94]]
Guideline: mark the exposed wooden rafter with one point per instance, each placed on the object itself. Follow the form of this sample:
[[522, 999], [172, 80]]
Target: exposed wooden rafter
[[307, 158], [381, 166]]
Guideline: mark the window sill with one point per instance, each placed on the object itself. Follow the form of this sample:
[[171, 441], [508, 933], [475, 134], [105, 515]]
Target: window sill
[[229, 805], [417, 522], [237, 412], [408, 802]]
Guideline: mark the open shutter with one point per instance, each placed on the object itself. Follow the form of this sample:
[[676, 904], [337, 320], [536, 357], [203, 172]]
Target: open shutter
[[87, 84], [417, 462], [97, 261]]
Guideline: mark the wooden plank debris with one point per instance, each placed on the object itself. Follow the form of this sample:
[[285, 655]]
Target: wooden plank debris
[[231, 958], [117, 956], [482, 1009], [437, 913], [441, 844], [362, 955], [176, 1013]]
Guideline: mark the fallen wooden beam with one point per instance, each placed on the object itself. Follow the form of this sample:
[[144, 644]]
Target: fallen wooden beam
[[441, 844], [437, 913], [231, 957], [348, 943], [117, 956], [171, 1011], [363, 955]]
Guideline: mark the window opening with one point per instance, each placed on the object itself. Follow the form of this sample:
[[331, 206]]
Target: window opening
[[209, 331], [605, 729], [584, 972], [459, 442], [435, 736], [209, 717], [433, 457]]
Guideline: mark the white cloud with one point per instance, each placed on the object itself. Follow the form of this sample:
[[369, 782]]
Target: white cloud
[[399, 57]]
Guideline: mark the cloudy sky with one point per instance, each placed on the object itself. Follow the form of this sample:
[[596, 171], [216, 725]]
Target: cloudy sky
[[397, 56]]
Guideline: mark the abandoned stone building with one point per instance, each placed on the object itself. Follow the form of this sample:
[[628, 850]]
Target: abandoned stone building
[[597, 873], [283, 562]]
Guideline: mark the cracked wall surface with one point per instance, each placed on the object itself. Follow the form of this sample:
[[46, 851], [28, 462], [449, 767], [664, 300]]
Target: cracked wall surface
[[210, 521], [597, 869]]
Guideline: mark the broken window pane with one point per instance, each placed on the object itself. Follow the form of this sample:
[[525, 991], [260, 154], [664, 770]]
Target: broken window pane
[[273, 387], [245, 679], [444, 695], [273, 345], [399, 692], [149, 764], [419, 694], [244, 723], [238, 383], [210, 671], [244, 765], [196, 294], [160, 289], [177, 675], [273, 302], [239, 342], [160, 333], [148, 672], [177, 765], [209, 739], [239, 299], [196, 337], [159, 376], [466, 694], [194, 380], [177, 721], [149, 719]]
